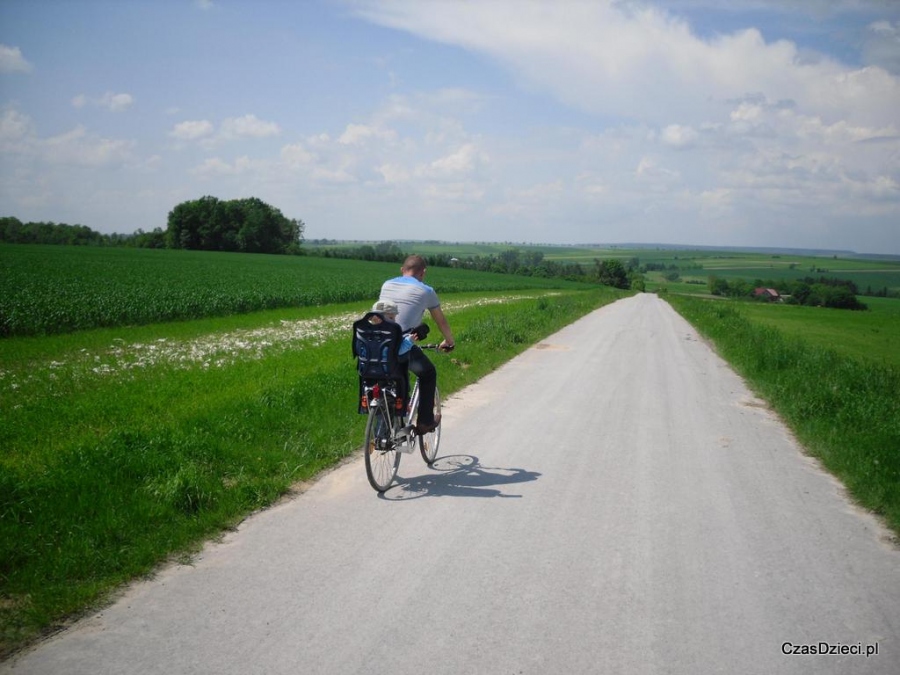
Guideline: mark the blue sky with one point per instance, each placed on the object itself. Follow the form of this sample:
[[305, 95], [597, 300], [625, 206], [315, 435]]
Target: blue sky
[[740, 123]]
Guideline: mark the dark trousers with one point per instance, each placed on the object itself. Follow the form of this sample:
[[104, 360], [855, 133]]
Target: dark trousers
[[427, 376]]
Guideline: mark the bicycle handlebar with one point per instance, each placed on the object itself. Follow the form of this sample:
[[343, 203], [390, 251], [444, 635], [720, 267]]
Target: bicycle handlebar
[[437, 347]]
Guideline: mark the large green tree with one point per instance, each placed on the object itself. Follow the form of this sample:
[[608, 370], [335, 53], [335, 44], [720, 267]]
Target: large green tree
[[243, 225], [611, 272]]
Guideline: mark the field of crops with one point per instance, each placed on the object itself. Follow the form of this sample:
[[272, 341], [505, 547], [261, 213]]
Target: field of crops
[[697, 265], [53, 289]]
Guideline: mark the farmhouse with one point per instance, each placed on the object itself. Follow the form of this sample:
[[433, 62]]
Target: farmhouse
[[769, 294]]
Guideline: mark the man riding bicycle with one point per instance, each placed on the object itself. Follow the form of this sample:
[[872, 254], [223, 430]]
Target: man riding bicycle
[[412, 297]]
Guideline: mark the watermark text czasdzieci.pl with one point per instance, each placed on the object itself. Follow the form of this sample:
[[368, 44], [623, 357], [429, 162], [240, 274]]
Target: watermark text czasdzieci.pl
[[822, 648]]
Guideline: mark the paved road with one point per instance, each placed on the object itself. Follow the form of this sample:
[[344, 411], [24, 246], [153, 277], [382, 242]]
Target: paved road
[[613, 501]]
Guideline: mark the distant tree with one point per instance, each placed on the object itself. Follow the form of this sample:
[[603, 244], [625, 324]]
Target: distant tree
[[718, 285], [611, 272], [14, 231], [10, 229], [243, 225]]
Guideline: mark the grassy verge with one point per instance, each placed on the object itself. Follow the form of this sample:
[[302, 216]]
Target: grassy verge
[[124, 447], [844, 410]]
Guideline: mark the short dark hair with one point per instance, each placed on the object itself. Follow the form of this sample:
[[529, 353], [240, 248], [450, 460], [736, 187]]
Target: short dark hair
[[414, 264]]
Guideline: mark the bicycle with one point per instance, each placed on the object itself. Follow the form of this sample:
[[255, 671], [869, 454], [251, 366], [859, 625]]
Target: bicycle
[[390, 431]]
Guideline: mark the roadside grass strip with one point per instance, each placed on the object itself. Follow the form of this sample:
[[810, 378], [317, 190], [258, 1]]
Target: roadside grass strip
[[844, 410], [118, 455]]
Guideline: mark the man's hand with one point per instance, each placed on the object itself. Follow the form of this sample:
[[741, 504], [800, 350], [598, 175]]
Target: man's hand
[[420, 332]]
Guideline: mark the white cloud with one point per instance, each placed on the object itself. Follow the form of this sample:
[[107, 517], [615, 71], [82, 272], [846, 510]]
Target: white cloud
[[326, 175], [232, 128], [641, 62], [678, 136], [192, 130], [80, 147], [296, 155], [14, 127], [393, 173], [648, 169], [461, 161], [248, 126], [356, 134], [216, 166], [882, 46], [117, 102], [12, 61], [109, 100]]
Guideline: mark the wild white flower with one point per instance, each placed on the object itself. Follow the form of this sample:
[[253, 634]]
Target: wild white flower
[[216, 350]]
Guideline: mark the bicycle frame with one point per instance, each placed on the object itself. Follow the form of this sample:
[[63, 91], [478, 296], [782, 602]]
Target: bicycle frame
[[384, 395], [390, 432]]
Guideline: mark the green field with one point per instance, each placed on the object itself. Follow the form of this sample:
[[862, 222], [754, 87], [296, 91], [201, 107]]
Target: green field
[[869, 336], [51, 289], [868, 274], [697, 266]]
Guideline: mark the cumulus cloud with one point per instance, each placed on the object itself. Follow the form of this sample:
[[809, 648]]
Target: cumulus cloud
[[216, 166], [14, 128], [232, 128], [461, 161], [109, 101], [19, 136], [12, 61], [296, 155], [393, 173], [639, 61], [192, 130], [678, 136], [882, 46], [83, 148], [248, 126], [356, 134], [328, 175]]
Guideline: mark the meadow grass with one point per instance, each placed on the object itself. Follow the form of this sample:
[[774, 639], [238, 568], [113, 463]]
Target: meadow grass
[[843, 407], [126, 447], [872, 335]]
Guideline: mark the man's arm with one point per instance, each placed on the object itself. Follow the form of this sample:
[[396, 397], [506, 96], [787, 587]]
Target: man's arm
[[438, 315]]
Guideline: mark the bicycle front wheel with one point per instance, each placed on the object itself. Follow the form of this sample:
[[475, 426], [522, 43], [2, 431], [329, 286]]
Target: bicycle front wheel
[[382, 458], [428, 443]]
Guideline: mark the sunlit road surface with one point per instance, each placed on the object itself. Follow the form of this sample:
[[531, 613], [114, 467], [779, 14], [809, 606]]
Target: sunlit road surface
[[613, 501]]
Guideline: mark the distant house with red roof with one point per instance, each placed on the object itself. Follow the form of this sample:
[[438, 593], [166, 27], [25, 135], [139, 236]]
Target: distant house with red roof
[[769, 294]]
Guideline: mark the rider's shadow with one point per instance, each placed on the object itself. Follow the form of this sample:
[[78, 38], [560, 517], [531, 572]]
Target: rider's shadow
[[459, 476]]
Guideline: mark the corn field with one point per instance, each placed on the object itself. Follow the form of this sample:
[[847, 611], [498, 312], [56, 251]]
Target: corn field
[[60, 289]]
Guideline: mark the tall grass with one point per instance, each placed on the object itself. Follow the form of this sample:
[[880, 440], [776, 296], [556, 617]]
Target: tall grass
[[845, 410], [105, 471]]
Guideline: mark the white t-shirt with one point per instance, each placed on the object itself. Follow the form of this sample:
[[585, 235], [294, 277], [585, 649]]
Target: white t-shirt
[[412, 298]]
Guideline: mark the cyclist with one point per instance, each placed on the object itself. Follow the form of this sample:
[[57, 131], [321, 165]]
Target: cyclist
[[413, 296]]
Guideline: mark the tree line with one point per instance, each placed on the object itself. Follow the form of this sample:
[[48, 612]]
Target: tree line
[[611, 272], [810, 291], [205, 224]]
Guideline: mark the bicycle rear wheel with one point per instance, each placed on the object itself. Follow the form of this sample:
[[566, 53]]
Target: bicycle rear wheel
[[428, 443], [382, 458]]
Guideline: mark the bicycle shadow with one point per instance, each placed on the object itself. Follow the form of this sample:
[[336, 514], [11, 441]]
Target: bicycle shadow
[[458, 476]]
